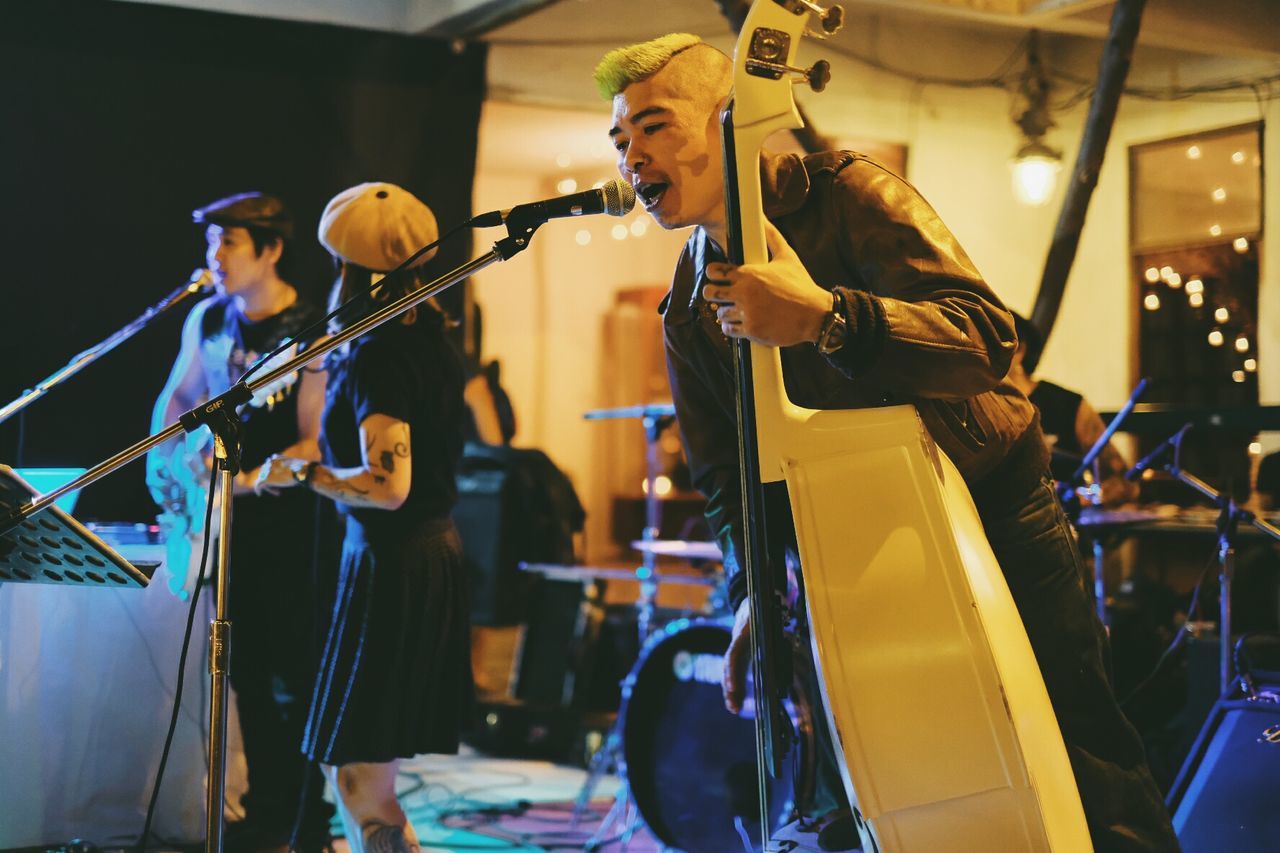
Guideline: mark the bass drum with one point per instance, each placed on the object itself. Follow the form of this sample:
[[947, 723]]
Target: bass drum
[[690, 763]]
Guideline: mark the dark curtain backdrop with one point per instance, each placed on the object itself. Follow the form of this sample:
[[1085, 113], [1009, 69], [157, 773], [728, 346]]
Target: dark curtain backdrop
[[118, 119]]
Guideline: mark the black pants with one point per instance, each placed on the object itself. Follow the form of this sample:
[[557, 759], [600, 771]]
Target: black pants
[[274, 600], [1034, 545]]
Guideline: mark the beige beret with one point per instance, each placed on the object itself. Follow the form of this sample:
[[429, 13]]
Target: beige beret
[[377, 226]]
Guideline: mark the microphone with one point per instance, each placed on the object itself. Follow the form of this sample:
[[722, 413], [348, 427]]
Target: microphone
[[1155, 457], [200, 283], [616, 198]]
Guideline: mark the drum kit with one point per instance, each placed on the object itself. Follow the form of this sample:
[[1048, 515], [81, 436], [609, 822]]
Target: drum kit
[[687, 765]]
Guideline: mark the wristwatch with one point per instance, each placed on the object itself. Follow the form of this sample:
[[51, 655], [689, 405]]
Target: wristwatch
[[835, 328], [302, 476]]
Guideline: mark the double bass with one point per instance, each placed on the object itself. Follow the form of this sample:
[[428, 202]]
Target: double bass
[[943, 728]]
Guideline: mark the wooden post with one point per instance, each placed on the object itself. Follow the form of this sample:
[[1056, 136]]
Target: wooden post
[[1113, 70]]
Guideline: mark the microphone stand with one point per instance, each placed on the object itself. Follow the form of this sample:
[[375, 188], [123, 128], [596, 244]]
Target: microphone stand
[[220, 415], [1099, 550], [196, 285], [1229, 517]]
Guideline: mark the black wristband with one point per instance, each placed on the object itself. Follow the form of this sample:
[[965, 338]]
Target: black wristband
[[308, 473]]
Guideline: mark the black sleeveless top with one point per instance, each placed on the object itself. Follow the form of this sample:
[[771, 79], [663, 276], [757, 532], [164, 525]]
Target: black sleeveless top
[[230, 343], [1058, 409]]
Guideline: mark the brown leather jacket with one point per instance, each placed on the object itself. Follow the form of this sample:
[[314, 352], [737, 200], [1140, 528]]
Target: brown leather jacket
[[924, 329]]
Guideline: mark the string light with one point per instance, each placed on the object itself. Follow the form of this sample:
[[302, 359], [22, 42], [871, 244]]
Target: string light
[[1215, 338], [1240, 244], [1152, 275], [1193, 152], [563, 160], [1255, 448], [639, 226], [1195, 285], [1195, 300], [1251, 364], [619, 232], [1151, 302], [1222, 315], [1242, 344], [583, 237], [1237, 375], [1174, 281], [566, 185], [1215, 230], [1237, 157], [1219, 195]]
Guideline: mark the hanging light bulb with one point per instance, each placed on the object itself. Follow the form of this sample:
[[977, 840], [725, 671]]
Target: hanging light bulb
[[1035, 174], [1036, 166]]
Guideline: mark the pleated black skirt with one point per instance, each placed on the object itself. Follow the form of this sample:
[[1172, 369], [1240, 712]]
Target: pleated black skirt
[[395, 675]]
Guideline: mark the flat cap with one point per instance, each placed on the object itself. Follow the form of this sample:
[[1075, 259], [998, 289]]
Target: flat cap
[[247, 210]]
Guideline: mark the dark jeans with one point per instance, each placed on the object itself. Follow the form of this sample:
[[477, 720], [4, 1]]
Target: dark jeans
[[274, 648], [1034, 545]]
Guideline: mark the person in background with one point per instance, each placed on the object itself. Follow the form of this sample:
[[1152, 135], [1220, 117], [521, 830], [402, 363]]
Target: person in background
[[1070, 424], [395, 676], [273, 647]]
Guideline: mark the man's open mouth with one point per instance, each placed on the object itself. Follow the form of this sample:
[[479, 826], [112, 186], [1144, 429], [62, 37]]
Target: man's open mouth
[[650, 193]]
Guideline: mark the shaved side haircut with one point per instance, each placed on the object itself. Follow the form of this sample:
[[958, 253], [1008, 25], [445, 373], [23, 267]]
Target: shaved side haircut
[[695, 67]]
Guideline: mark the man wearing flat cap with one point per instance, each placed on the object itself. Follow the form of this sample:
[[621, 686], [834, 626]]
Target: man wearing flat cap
[[272, 589]]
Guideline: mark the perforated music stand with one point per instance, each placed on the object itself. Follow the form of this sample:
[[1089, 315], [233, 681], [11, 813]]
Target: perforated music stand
[[52, 547]]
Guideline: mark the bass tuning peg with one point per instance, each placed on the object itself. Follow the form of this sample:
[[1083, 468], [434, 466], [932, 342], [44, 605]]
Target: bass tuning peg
[[833, 20], [832, 17], [819, 75]]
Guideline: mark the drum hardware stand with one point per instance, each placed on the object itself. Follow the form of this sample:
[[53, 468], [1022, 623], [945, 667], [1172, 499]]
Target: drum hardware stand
[[606, 759], [219, 414], [1229, 517]]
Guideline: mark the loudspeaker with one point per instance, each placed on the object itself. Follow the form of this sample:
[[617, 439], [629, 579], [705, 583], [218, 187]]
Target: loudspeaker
[[513, 505], [559, 623], [1227, 796]]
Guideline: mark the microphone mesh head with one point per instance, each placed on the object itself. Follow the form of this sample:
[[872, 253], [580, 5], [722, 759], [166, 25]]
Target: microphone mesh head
[[619, 197]]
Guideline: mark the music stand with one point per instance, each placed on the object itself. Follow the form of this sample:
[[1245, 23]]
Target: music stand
[[52, 547]]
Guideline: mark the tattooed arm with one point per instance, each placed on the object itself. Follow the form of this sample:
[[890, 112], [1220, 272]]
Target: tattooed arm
[[381, 482]]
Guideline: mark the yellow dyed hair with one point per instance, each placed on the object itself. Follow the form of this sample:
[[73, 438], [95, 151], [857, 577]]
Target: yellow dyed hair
[[626, 65]]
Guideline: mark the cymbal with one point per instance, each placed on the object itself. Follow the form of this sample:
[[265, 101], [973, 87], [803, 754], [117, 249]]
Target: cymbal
[[649, 410], [689, 550], [556, 572]]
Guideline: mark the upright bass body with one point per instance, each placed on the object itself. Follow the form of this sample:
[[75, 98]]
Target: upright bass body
[[929, 682]]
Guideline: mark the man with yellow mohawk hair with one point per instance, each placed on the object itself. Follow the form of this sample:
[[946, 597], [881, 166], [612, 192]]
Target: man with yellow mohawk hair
[[872, 301]]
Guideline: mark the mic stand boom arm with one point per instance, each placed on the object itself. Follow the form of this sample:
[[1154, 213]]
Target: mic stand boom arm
[[219, 414], [79, 362], [1101, 443]]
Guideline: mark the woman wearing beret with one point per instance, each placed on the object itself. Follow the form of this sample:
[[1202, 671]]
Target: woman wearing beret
[[395, 678]]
